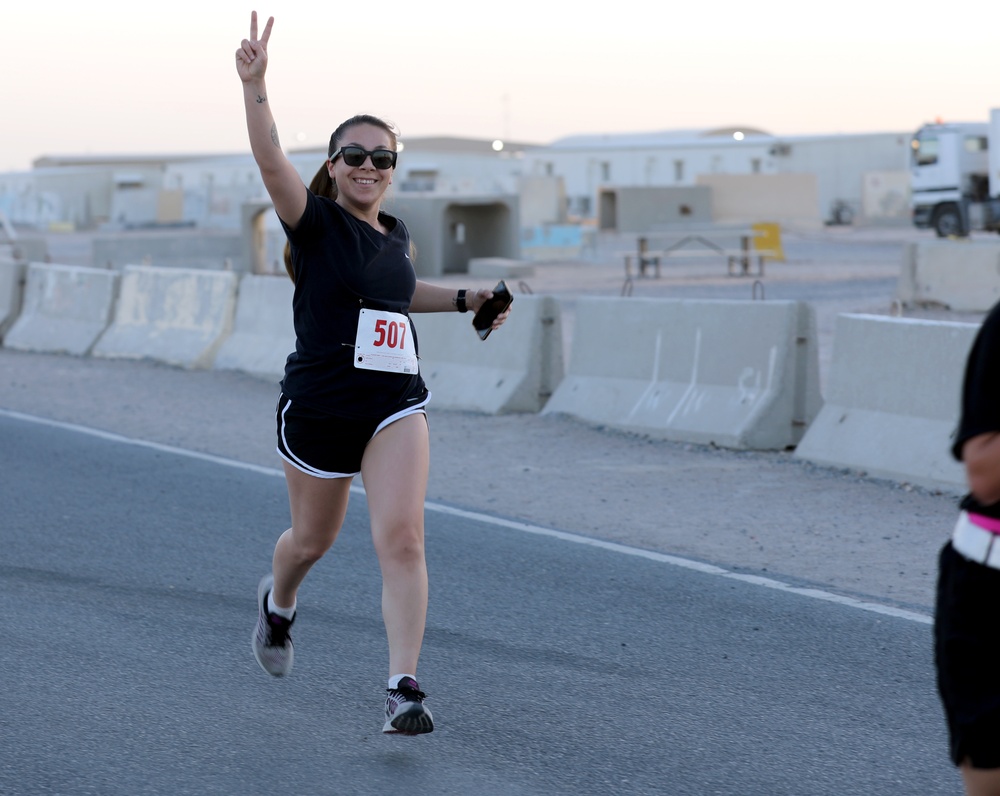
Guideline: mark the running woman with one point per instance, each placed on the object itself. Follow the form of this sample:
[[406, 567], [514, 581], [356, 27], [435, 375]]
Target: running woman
[[352, 399]]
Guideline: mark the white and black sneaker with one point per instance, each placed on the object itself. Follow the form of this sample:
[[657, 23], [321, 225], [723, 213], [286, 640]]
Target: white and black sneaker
[[405, 712], [272, 643]]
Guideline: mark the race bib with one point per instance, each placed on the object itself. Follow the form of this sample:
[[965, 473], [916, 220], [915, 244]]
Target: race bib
[[384, 342]]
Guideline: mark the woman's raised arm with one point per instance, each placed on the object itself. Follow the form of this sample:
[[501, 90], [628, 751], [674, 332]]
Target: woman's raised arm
[[282, 181]]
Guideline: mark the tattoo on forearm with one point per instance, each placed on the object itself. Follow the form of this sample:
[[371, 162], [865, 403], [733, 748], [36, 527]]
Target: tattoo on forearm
[[261, 98], [274, 136]]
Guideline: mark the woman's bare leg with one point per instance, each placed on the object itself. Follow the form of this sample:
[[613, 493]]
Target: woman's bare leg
[[395, 469], [318, 507]]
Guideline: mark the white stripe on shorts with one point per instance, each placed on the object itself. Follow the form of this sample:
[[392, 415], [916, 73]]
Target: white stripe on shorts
[[298, 464]]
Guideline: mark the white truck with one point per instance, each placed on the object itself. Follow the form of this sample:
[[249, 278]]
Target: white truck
[[955, 177]]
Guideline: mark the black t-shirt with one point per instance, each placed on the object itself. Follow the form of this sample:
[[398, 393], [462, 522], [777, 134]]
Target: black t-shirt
[[981, 398], [342, 264]]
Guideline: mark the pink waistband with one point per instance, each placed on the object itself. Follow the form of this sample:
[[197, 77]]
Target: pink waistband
[[987, 523]]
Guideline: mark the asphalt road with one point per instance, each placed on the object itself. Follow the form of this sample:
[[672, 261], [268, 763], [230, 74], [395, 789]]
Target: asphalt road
[[609, 614], [128, 586]]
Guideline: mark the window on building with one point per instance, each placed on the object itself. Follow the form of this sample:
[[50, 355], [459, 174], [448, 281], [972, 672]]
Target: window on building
[[605, 171], [755, 165], [419, 180], [650, 170], [678, 171], [976, 143]]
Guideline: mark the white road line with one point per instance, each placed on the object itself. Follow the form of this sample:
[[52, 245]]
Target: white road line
[[614, 547], [687, 563]]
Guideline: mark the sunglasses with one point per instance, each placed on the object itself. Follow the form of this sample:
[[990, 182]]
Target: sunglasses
[[354, 156]]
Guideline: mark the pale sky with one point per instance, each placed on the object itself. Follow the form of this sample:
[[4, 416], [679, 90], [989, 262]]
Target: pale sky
[[110, 78]]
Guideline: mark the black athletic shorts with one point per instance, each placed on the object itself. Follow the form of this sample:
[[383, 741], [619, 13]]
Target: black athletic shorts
[[324, 445], [967, 657]]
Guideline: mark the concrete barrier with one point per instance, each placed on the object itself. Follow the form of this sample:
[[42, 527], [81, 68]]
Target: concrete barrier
[[514, 370], [25, 250], [169, 248], [12, 281], [263, 331], [180, 316], [962, 275], [893, 400], [738, 374], [65, 309]]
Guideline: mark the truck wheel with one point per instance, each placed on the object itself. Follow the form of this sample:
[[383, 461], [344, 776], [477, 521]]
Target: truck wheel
[[948, 222]]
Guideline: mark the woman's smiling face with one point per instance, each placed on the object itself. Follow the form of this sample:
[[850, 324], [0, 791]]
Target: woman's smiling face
[[361, 187]]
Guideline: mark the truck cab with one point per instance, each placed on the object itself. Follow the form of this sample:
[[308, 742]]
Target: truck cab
[[949, 179]]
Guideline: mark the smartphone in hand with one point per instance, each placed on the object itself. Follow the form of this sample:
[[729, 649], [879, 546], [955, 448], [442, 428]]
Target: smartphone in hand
[[483, 320]]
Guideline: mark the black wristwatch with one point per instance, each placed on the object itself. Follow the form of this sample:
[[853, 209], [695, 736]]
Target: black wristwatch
[[460, 301]]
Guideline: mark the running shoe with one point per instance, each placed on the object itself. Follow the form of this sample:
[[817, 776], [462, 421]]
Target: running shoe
[[272, 644], [405, 712]]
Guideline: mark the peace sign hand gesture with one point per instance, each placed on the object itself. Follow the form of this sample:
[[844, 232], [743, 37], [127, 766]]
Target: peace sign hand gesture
[[251, 57]]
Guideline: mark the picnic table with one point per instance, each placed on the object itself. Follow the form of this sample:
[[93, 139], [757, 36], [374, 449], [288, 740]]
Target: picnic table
[[760, 242]]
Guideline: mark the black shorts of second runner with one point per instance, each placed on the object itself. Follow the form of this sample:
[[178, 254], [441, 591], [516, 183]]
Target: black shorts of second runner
[[326, 446], [967, 657]]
